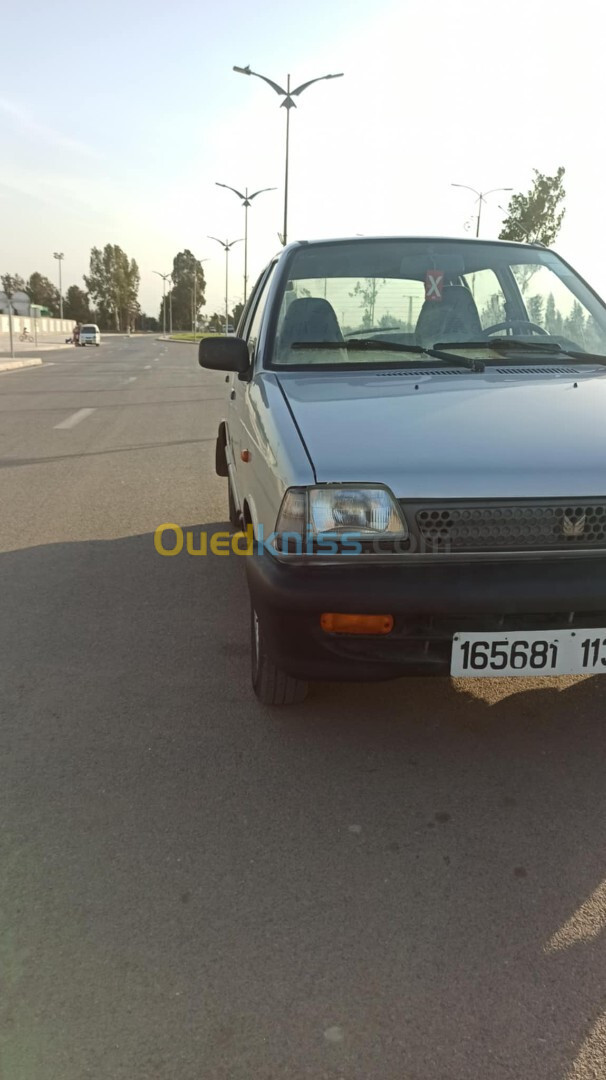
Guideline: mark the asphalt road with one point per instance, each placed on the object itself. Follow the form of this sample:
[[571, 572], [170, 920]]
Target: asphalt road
[[400, 882]]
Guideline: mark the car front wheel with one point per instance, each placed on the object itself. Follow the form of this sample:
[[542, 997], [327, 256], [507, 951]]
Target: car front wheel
[[271, 685]]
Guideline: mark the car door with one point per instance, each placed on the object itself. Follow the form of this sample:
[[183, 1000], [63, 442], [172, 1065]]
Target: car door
[[240, 434]]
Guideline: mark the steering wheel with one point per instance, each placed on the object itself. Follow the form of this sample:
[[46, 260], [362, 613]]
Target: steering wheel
[[514, 324]]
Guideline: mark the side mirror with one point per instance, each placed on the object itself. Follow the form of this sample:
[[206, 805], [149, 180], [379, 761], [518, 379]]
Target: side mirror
[[224, 354]]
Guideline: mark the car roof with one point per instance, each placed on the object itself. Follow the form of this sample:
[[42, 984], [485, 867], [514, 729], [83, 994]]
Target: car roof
[[471, 241]]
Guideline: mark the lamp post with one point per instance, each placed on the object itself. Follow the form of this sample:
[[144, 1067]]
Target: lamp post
[[287, 104], [164, 280], [59, 256], [226, 245], [482, 195], [246, 201]]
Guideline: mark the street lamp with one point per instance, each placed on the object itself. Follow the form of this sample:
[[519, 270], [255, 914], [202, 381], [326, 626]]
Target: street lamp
[[287, 104], [226, 245], [60, 257], [246, 201], [164, 280], [482, 195]]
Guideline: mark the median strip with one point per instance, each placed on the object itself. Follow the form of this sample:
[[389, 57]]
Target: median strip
[[17, 365]]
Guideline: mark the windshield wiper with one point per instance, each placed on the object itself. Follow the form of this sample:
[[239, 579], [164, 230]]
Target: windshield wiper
[[373, 330], [505, 345], [363, 344]]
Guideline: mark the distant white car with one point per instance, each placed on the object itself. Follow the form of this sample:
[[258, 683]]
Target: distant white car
[[90, 334]]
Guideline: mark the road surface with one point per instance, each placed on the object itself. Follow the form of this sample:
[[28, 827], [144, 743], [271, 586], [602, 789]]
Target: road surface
[[401, 882]]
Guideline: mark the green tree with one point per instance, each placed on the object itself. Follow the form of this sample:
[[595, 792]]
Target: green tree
[[216, 323], [574, 325], [493, 311], [41, 291], [76, 305], [186, 270], [11, 284], [535, 306], [237, 314], [368, 292], [554, 322], [113, 285], [537, 216]]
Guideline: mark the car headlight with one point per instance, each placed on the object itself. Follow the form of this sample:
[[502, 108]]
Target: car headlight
[[366, 512]]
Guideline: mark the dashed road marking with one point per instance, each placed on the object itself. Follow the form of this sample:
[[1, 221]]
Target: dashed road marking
[[74, 419], [132, 378]]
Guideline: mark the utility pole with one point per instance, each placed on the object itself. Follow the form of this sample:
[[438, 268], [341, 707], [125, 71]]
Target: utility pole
[[226, 245], [246, 201], [59, 256], [164, 280], [481, 198], [287, 104]]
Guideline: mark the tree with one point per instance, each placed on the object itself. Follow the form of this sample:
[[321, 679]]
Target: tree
[[535, 305], [11, 284], [217, 322], [186, 270], [236, 314], [76, 305], [43, 293], [574, 325], [369, 292], [493, 311], [113, 285], [536, 218]]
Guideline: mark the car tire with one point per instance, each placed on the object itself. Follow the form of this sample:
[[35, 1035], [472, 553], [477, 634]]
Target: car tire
[[271, 685]]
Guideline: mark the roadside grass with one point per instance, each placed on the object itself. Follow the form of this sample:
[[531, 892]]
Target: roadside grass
[[190, 337]]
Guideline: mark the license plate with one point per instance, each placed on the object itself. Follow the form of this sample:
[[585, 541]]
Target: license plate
[[528, 653]]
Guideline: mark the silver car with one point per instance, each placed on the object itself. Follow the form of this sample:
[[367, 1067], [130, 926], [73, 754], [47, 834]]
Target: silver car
[[414, 439]]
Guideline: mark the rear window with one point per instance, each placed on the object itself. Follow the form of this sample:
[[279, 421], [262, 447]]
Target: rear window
[[89, 330]]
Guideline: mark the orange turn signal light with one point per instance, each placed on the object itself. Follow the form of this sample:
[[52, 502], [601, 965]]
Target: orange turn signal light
[[335, 623]]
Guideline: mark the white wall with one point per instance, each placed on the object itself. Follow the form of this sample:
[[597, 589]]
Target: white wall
[[57, 327]]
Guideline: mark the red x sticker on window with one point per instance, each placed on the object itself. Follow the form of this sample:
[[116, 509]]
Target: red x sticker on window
[[434, 283]]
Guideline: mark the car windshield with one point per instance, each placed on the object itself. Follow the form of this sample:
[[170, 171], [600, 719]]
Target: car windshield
[[89, 330], [427, 293]]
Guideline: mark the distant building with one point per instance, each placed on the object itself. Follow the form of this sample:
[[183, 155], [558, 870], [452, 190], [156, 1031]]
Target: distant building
[[21, 304]]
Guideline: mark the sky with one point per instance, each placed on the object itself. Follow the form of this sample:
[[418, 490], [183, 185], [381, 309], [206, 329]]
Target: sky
[[117, 119]]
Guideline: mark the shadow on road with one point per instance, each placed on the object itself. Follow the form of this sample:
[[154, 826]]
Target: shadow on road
[[395, 880]]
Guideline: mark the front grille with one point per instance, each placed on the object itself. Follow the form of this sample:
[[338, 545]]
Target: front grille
[[514, 526]]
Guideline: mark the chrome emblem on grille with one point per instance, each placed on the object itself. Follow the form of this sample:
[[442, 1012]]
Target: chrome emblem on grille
[[573, 526]]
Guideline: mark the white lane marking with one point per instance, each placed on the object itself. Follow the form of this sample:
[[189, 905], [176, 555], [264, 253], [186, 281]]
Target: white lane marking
[[147, 367], [74, 419], [132, 378]]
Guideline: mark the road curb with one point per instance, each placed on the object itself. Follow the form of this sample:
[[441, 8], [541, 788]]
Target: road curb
[[16, 365]]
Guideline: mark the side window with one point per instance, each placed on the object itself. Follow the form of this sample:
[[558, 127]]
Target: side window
[[489, 297], [260, 302]]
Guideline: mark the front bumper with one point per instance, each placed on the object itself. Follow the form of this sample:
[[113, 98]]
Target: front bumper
[[429, 602]]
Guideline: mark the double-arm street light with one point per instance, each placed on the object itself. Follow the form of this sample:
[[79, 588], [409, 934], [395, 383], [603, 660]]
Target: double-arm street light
[[59, 256], [165, 278], [226, 245], [287, 104], [482, 196], [246, 201]]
